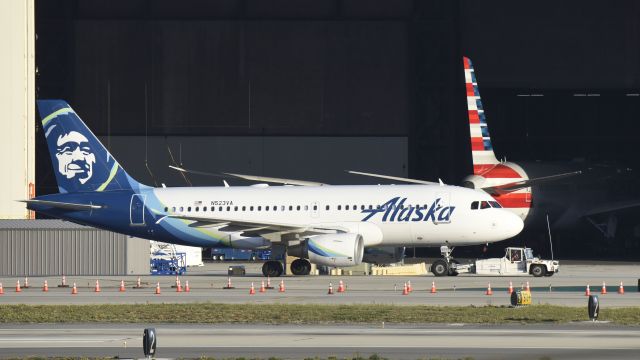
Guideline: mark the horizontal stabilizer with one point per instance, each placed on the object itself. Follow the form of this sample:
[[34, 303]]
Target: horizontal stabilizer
[[396, 178], [63, 205], [517, 185], [252, 177]]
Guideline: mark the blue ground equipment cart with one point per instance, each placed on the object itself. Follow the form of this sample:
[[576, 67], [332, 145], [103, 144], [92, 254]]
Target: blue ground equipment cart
[[166, 261]]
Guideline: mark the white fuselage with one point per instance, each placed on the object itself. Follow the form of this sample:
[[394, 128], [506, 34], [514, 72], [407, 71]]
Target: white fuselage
[[397, 215]]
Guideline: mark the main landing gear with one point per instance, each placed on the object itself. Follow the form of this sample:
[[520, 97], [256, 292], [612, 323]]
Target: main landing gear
[[446, 266], [272, 268], [300, 267]]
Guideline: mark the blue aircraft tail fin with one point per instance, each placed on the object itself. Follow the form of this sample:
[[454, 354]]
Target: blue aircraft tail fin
[[80, 161]]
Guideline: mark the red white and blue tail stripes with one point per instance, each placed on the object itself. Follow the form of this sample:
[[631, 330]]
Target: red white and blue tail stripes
[[485, 163], [481, 147]]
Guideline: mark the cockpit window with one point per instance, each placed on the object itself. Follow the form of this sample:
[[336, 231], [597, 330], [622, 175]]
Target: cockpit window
[[484, 205], [474, 205], [495, 204]]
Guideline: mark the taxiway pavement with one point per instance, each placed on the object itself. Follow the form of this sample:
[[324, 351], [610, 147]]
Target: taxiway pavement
[[576, 341], [206, 283]]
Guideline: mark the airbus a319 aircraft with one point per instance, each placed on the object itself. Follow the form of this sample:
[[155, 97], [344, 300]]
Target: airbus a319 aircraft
[[325, 225]]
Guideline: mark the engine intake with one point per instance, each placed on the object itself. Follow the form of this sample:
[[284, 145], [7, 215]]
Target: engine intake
[[331, 250]]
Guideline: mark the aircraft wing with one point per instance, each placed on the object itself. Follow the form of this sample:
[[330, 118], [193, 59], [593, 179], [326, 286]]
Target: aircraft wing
[[612, 206], [63, 205], [517, 185], [414, 181], [253, 177], [259, 228]]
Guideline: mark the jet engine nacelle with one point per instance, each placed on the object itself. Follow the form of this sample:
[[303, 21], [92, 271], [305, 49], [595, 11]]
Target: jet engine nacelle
[[474, 181], [344, 249]]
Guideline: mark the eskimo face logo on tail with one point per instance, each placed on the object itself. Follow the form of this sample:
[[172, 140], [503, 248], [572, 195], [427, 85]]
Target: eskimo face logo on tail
[[394, 210], [75, 156]]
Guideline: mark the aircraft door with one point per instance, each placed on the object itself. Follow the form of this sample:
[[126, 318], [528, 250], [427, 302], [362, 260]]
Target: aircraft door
[[136, 210]]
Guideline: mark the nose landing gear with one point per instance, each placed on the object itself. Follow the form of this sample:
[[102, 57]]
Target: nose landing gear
[[446, 266]]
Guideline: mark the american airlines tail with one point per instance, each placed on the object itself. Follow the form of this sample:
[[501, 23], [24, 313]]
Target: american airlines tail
[[481, 148], [487, 170], [83, 164]]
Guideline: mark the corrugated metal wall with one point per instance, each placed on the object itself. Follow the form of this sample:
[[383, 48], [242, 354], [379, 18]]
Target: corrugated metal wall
[[71, 251]]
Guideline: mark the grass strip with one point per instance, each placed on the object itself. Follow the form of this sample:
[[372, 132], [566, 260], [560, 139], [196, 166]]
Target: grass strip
[[211, 313]]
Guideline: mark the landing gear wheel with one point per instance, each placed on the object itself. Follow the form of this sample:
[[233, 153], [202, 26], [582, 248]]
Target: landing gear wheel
[[440, 268], [300, 267], [272, 268], [538, 270], [452, 272], [221, 258]]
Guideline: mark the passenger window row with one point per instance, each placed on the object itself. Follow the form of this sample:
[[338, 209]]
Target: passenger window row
[[181, 209]]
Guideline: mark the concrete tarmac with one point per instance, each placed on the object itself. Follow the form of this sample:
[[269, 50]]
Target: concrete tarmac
[[564, 288], [576, 341]]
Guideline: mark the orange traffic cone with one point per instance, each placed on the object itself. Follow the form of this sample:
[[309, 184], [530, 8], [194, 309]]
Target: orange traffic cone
[[122, 289], [510, 290], [26, 283], [604, 288], [18, 289], [186, 286], [527, 287], [262, 289], [97, 289], [1, 289], [178, 286], [45, 287], [405, 289], [409, 287], [74, 290], [330, 292], [341, 286], [588, 291], [281, 289], [158, 288], [228, 286], [489, 291], [269, 283], [433, 287], [252, 290]]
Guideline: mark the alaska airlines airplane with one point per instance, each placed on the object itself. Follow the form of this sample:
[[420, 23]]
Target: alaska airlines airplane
[[325, 225]]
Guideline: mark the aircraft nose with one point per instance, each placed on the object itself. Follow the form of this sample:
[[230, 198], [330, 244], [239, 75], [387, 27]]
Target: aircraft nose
[[513, 224]]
